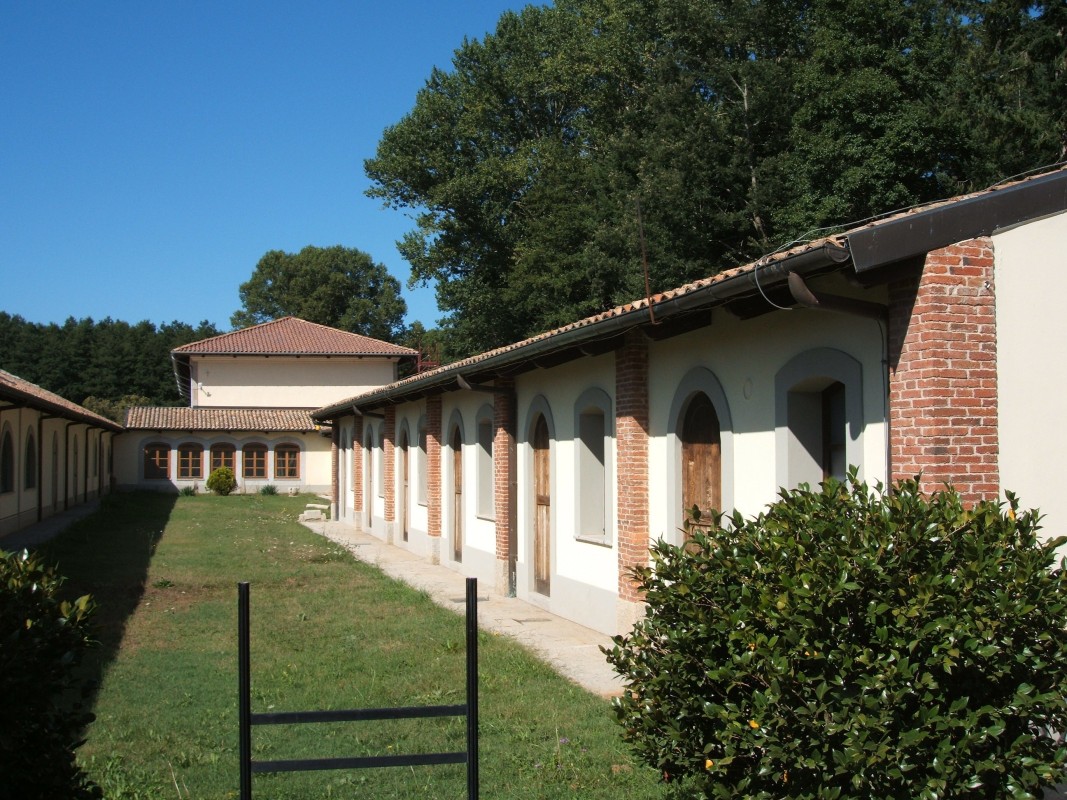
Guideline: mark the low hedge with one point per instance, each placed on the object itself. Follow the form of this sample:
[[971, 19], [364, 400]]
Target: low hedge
[[850, 643]]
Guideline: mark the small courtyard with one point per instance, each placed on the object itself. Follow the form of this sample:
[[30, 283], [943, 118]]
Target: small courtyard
[[327, 632]]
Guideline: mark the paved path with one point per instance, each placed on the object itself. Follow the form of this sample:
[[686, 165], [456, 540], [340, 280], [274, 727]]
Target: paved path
[[571, 649], [41, 532]]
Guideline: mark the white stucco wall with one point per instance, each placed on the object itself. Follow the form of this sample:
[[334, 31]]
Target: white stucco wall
[[315, 460], [283, 382], [1031, 284]]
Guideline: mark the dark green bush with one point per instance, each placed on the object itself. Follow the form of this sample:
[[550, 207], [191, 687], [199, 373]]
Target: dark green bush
[[852, 644], [221, 481], [42, 714], [269, 489]]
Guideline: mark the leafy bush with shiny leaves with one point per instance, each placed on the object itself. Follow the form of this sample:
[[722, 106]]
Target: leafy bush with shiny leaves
[[221, 481], [42, 713], [850, 643]]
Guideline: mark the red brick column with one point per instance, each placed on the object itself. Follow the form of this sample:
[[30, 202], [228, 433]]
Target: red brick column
[[357, 465], [433, 465], [631, 458], [389, 463], [943, 373], [504, 487]]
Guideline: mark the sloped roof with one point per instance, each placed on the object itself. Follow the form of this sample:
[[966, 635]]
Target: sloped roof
[[929, 226], [266, 420], [293, 336], [21, 392]]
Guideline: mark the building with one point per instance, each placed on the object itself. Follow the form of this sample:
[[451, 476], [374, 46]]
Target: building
[[927, 342], [54, 454], [250, 395]]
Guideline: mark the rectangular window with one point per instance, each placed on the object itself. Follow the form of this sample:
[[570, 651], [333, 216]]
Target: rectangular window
[[592, 475], [190, 462], [157, 462], [423, 464], [286, 462], [255, 461], [222, 455], [486, 484]]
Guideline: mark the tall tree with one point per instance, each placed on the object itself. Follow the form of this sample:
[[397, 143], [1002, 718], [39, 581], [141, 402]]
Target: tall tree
[[735, 125], [337, 286]]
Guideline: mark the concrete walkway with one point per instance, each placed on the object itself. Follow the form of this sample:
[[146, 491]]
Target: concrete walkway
[[46, 529], [571, 649]]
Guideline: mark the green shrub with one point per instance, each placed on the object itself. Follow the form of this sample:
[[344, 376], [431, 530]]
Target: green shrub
[[852, 644], [221, 481], [187, 491], [268, 489], [42, 713]]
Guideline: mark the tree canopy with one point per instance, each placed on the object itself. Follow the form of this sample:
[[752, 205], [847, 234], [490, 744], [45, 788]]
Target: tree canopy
[[106, 365], [707, 133], [337, 286]]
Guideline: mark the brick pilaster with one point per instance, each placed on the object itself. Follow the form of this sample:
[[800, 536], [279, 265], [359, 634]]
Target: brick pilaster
[[357, 465], [504, 478], [433, 465], [631, 444], [389, 463], [943, 373]]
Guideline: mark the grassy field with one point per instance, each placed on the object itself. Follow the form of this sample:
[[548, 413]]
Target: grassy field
[[327, 632]]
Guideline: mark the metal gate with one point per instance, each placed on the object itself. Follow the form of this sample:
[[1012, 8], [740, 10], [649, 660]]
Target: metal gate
[[248, 719]]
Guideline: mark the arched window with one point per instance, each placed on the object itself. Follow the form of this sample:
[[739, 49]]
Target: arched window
[[223, 455], [7, 462], [29, 479], [592, 425], [819, 417], [286, 462], [701, 456], [190, 461], [157, 461], [484, 456], [254, 457]]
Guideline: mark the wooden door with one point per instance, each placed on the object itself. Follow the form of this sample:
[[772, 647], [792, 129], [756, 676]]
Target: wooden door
[[701, 457], [405, 484], [369, 496], [542, 509], [457, 496]]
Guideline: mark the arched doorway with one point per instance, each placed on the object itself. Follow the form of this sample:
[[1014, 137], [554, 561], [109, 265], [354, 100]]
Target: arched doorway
[[701, 457], [405, 482], [542, 508], [457, 495]]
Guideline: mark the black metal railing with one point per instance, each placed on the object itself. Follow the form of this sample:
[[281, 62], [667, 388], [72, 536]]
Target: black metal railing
[[248, 766]]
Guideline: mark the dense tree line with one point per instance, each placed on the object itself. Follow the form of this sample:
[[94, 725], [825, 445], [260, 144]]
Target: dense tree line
[[704, 132], [103, 365]]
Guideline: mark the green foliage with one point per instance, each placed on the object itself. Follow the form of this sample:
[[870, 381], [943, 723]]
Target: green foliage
[[42, 641], [189, 491], [738, 126], [107, 365], [269, 489], [852, 644], [221, 481], [337, 286]]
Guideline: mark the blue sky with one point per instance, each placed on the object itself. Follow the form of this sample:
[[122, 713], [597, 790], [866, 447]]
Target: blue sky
[[151, 152]]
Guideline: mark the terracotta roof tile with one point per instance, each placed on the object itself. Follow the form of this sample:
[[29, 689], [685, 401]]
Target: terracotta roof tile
[[15, 388], [293, 420], [292, 336]]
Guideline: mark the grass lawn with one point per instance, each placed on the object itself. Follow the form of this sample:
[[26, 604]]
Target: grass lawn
[[327, 632]]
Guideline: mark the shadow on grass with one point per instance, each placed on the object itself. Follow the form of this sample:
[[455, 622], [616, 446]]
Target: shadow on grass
[[107, 555]]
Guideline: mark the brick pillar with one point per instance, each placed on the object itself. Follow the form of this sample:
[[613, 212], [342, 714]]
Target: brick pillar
[[505, 489], [631, 457], [357, 466], [943, 373], [433, 476], [335, 435], [388, 470]]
